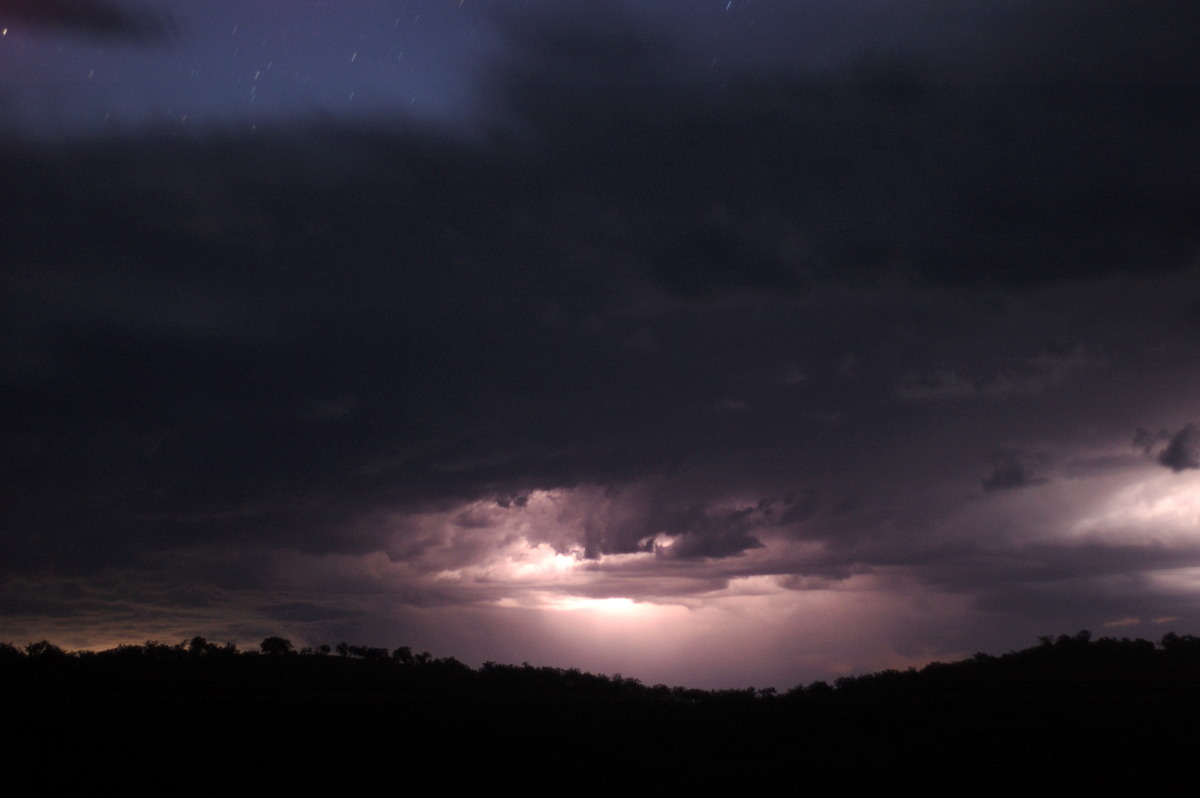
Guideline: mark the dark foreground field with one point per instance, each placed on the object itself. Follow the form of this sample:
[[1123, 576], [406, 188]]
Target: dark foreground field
[[1069, 715]]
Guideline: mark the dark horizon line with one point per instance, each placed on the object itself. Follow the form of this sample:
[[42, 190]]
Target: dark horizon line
[[1081, 651]]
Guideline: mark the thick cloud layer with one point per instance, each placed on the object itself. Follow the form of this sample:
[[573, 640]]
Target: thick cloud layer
[[1183, 450], [837, 366], [92, 17]]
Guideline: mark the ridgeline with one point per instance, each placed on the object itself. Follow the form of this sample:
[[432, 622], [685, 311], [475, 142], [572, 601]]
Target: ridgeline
[[1071, 712]]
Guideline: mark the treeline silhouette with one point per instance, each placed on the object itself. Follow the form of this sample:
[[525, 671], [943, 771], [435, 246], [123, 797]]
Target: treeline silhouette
[[1068, 664], [1070, 712]]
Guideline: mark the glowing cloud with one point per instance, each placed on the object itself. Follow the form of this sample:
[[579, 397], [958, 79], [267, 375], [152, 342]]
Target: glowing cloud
[[1162, 509]]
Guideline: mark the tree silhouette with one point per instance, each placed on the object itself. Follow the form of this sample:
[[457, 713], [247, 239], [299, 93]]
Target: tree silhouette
[[276, 646], [44, 648]]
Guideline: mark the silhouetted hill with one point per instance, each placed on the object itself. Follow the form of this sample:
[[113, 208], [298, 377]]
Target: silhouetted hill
[[1069, 713]]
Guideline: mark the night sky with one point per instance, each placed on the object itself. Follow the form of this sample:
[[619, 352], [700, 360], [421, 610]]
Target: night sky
[[712, 343]]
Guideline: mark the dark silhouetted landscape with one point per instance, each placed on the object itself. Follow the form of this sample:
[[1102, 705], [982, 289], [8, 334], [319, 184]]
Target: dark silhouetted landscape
[[1069, 713]]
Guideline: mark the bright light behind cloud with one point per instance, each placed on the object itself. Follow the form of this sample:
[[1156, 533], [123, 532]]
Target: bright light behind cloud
[[613, 607], [509, 580], [661, 618], [650, 614], [1160, 509]]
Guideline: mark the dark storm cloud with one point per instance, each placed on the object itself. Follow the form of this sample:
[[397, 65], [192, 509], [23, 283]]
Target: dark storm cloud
[[889, 163], [93, 17], [1147, 441], [1183, 449], [1028, 375], [1126, 41], [698, 531], [306, 612], [1011, 470], [309, 339], [797, 506], [711, 258]]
